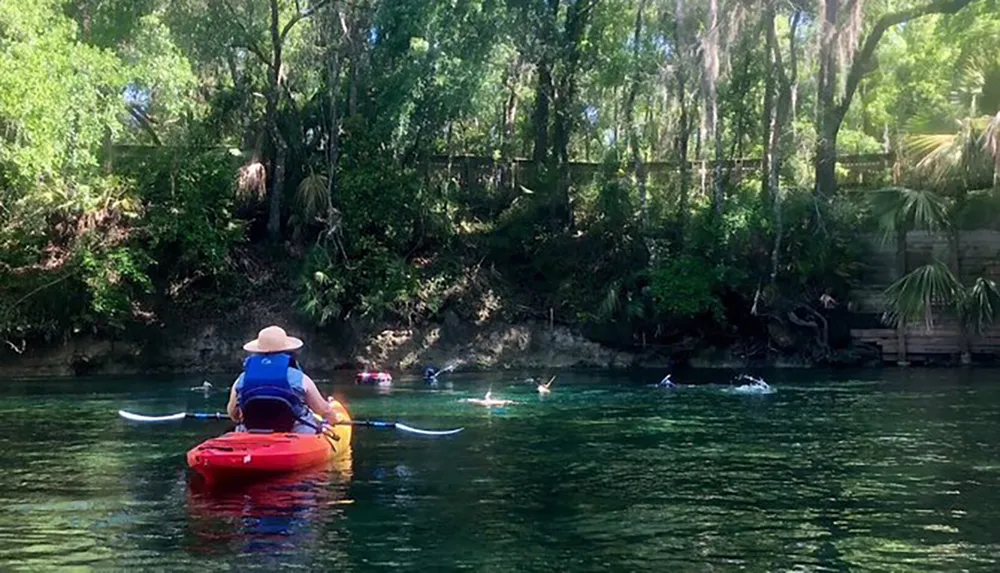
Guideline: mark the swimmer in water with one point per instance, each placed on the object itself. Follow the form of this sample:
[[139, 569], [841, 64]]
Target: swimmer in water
[[489, 401], [666, 382], [746, 379], [544, 388]]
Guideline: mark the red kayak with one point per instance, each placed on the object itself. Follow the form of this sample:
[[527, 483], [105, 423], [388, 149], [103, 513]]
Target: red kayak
[[378, 378], [242, 456]]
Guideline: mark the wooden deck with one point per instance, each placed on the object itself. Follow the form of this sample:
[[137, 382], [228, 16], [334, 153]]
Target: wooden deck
[[944, 340]]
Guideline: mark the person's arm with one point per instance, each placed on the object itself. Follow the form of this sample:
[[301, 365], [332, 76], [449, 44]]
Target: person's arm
[[316, 402], [233, 409]]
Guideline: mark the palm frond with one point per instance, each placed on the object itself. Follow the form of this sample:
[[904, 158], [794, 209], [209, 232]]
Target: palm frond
[[980, 305], [901, 209], [991, 145], [941, 155], [251, 181], [312, 197], [921, 145], [915, 296], [610, 304]]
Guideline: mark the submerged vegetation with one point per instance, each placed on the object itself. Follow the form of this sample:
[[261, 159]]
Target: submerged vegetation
[[668, 174]]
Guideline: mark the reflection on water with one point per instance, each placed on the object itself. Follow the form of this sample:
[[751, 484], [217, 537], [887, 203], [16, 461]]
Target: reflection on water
[[893, 470], [272, 516]]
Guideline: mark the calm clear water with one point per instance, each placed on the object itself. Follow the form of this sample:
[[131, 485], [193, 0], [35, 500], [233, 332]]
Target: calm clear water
[[890, 471]]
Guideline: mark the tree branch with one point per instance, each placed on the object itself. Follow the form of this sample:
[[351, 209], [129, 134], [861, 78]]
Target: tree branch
[[860, 64], [247, 38], [253, 49], [793, 24], [301, 16], [144, 122]]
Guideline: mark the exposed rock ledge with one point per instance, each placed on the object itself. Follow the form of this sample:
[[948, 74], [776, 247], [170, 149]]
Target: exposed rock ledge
[[212, 349]]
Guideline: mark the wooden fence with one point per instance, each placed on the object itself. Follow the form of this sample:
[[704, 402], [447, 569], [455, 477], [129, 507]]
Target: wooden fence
[[470, 172], [978, 255]]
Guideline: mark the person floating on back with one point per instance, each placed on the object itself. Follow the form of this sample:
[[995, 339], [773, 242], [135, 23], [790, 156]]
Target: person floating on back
[[205, 387], [272, 393]]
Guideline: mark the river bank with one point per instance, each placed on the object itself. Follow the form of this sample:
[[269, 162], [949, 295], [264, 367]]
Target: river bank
[[216, 347]]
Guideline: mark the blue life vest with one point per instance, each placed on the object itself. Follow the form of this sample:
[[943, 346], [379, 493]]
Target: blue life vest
[[270, 384]]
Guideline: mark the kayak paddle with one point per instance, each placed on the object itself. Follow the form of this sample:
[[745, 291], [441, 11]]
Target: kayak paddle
[[172, 417], [448, 368], [220, 416], [402, 427]]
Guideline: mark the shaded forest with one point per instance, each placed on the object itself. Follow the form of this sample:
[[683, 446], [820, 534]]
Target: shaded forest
[[668, 174]]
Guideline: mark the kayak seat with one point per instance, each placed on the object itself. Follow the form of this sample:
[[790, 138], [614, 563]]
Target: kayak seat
[[268, 413]]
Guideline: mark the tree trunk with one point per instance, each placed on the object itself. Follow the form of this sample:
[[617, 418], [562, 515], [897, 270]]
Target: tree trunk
[[826, 144], [638, 171], [271, 114], [510, 108], [780, 140], [544, 91], [769, 117], [507, 133], [333, 77], [683, 135], [540, 118], [712, 128], [901, 358], [353, 28], [955, 254], [577, 17], [830, 112]]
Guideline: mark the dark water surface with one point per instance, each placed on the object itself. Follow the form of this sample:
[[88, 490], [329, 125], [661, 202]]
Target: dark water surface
[[888, 471]]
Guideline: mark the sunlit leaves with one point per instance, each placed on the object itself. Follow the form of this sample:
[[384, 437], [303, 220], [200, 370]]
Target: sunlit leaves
[[58, 97]]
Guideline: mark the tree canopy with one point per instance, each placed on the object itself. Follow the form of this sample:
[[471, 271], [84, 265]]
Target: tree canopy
[[600, 156]]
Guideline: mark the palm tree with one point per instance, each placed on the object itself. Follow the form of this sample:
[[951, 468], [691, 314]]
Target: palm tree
[[931, 288], [899, 210], [964, 162], [969, 157]]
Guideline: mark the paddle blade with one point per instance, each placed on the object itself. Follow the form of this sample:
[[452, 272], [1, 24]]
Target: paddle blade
[[141, 418], [413, 430]]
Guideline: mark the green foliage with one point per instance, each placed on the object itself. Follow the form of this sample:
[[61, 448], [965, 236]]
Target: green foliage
[[821, 248], [382, 286], [979, 305], [685, 287], [124, 125], [190, 201], [114, 280], [914, 297], [898, 209], [852, 142], [59, 98], [932, 288], [323, 292]]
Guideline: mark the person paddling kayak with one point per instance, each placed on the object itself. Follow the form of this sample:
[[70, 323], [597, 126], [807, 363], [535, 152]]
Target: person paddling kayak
[[273, 393]]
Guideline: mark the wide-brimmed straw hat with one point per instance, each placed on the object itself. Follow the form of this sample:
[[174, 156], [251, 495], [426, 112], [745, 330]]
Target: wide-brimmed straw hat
[[273, 339]]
